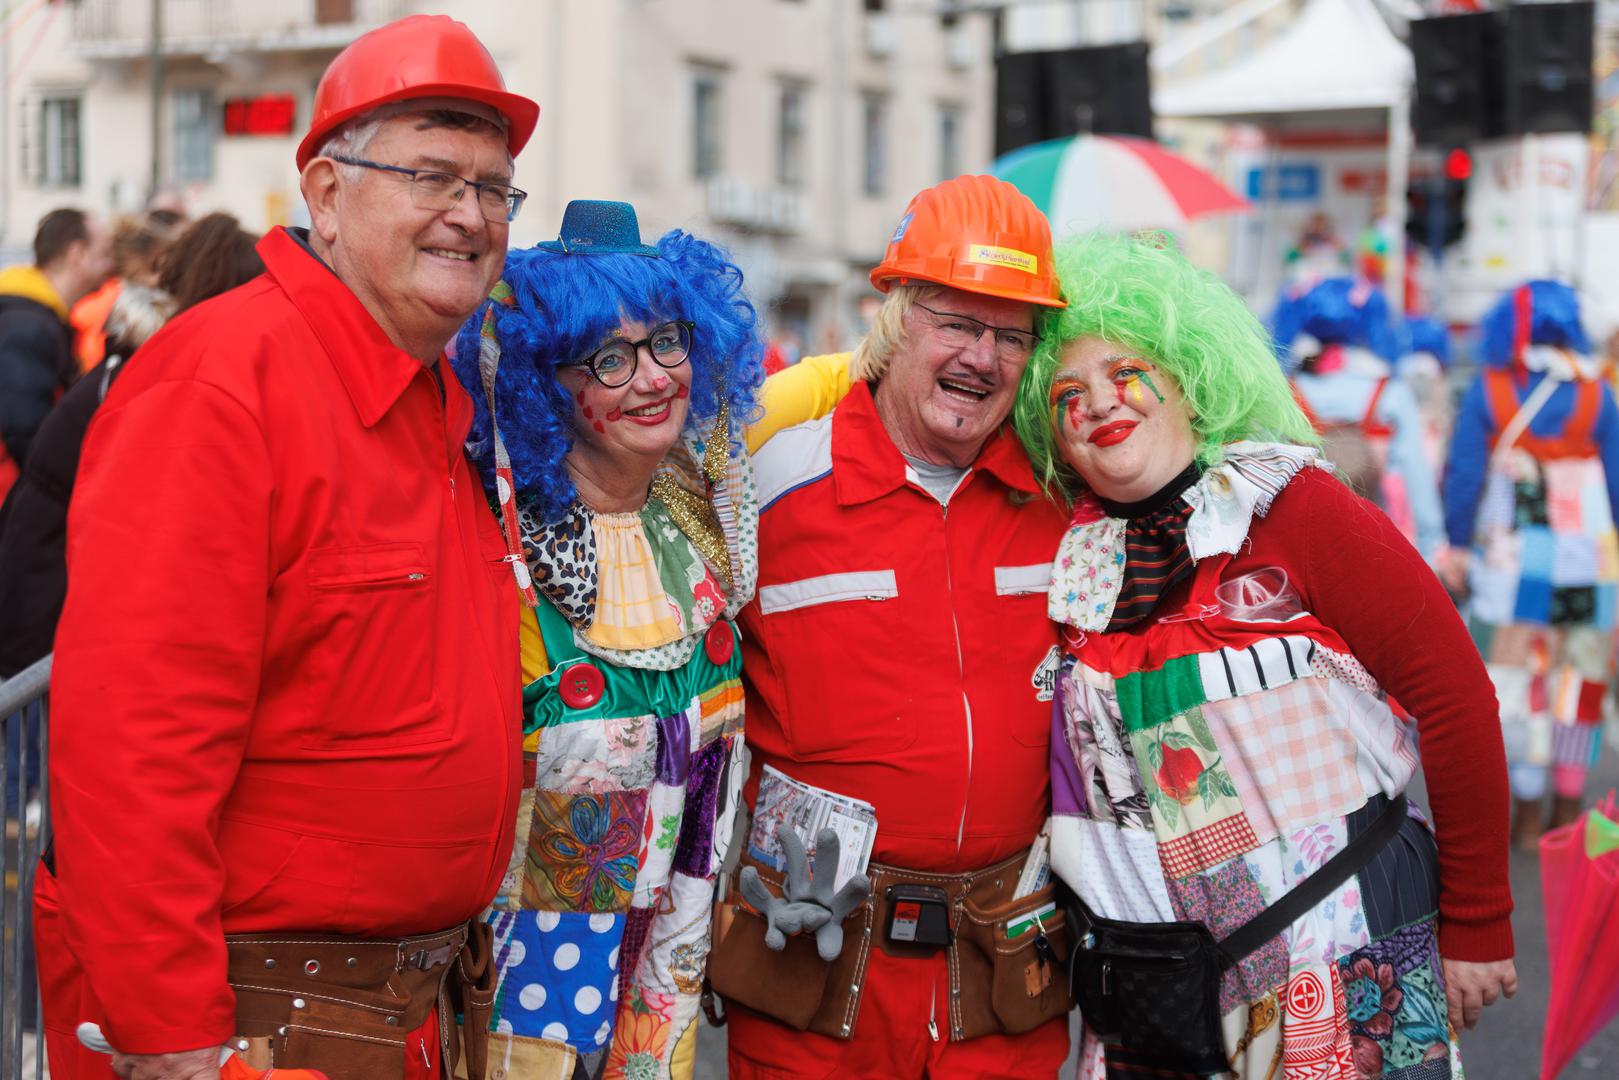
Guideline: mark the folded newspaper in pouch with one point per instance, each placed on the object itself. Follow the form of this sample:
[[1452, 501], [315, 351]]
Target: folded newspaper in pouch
[[807, 810], [1037, 867]]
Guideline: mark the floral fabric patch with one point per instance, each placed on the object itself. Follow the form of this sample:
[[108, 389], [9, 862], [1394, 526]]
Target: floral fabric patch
[[641, 1036], [666, 805], [583, 850], [1093, 734], [595, 755], [1394, 991], [1223, 900], [1184, 775], [1087, 574]]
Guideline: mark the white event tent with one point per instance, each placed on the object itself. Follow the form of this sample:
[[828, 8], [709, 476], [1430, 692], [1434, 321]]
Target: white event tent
[[1336, 63]]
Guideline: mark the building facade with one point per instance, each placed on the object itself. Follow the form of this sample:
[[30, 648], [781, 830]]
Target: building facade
[[792, 131]]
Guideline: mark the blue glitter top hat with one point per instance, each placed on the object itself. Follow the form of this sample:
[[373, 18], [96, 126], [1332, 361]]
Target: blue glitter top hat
[[599, 227]]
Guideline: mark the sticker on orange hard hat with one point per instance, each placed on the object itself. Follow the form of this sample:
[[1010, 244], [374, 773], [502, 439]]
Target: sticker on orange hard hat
[[990, 255], [899, 230]]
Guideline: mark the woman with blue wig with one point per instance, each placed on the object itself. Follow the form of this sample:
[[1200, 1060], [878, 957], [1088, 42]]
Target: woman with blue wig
[[612, 379], [1529, 506]]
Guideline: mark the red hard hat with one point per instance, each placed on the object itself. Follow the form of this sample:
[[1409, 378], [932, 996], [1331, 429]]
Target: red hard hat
[[415, 57], [977, 234]]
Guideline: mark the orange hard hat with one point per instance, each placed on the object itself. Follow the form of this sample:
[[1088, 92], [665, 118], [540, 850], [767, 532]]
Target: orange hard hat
[[418, 56], [977, 234]]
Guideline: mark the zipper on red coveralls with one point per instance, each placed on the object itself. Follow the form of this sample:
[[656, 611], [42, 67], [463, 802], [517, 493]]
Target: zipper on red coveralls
[[961, 662]]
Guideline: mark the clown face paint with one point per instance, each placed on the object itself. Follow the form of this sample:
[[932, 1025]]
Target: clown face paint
[[626, 430], [1120, 423]]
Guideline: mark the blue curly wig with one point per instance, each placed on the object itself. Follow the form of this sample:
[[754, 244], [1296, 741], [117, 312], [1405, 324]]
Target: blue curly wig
[[1424, 333], [564, 306], [1336, 311], [1554, 319]]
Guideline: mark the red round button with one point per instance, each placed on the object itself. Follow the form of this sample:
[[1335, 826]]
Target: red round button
[[581, 686], [720, 642]]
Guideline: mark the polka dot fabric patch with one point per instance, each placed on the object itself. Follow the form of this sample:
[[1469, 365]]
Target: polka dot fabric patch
[[552, 966]]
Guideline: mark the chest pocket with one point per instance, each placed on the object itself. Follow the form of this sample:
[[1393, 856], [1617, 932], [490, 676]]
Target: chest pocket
[[843, 663], [372, 671]]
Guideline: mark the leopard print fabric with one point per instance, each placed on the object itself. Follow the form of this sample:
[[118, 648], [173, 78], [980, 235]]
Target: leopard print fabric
[[562, 560]]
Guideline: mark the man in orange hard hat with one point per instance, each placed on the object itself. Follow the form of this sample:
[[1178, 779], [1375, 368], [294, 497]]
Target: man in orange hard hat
[[898, 654], [284, 756]]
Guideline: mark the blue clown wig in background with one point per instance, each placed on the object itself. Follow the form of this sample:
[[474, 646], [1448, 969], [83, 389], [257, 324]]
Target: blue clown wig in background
[[1554, 319], [1426, 334], [566, 306], [1335, 311]]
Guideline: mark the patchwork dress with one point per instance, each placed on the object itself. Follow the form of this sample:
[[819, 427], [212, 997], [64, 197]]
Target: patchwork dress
[[634, 759], [1204, 765], [1543, 586]]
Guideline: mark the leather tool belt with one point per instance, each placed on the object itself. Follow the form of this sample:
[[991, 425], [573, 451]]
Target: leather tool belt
[[998, 984], [344, 1005]]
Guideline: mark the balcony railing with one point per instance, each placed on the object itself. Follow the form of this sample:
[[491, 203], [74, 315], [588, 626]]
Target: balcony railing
[[119, 29]]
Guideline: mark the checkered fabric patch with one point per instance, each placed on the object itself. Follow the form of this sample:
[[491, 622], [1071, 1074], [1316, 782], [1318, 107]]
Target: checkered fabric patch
[[1300, 757], [1206, 847], [1147, 698]]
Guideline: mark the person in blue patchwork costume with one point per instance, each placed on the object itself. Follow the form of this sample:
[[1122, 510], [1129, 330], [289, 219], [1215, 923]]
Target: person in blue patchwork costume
[[1529, 505], [608, 375], [1338, 338]]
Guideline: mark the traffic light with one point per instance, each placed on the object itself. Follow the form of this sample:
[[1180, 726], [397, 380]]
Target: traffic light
[[1436, 207]]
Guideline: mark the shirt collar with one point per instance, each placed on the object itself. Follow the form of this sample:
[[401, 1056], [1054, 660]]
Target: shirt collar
[[866, 464], [374, 370]]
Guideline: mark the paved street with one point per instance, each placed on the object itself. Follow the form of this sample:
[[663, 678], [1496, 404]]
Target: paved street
[[1505, 1047]]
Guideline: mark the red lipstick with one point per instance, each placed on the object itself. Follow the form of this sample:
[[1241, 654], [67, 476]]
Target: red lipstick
[[1112, 434]]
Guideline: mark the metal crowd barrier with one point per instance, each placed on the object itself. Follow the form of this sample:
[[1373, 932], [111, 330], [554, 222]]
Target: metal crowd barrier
[[24, 723]]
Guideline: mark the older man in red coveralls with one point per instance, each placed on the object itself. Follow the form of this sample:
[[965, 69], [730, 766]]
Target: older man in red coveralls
[[286, 688], [898, 651]]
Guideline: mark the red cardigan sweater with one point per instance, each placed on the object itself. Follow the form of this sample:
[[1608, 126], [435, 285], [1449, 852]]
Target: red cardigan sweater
[[1357, 573]]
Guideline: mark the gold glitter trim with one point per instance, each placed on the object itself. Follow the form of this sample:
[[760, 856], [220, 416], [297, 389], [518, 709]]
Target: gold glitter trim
[[695, 516]]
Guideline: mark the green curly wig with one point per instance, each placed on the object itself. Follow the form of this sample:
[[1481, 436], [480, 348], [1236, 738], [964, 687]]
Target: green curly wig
[[1142, 294]]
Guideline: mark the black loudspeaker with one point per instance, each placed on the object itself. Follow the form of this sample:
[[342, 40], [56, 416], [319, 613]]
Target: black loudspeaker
[[1546, 68], [1458, 93], [1105, 90], [1020, 101], [1049, 95]]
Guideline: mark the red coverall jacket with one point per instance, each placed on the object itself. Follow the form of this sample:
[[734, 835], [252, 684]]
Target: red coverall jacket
[[286, 689], [892, 651]]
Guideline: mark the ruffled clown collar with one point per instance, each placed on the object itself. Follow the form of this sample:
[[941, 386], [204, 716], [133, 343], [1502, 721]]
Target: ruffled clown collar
[[1088, 573]]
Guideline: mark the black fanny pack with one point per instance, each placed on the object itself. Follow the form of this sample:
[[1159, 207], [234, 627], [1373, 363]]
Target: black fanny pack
[[1152, 990]]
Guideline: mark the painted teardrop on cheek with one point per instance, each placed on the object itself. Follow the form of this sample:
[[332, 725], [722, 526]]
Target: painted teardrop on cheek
[[590, 414], [613, 416], [598, 426], [682, 392]]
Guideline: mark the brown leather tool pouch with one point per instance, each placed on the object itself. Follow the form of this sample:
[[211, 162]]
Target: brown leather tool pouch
[[472, 993], [997, 984], [787, 986], [1011, 984], [342, 1005]]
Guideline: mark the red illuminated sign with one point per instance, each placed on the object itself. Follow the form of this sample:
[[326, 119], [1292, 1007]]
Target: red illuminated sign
[[267, 114]]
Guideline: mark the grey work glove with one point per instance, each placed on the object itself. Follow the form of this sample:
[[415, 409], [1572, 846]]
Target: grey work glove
[[810, 903]]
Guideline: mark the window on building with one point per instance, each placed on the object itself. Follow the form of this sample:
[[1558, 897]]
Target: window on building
[[791, 136], [949, 141], [874, 160], [707, 127], [329, 12], [60, 146], [195, 125]]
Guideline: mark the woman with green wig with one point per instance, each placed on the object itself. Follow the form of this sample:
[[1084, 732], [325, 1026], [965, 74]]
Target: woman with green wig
[[1253, 895]]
